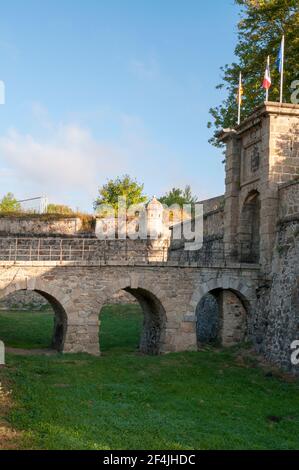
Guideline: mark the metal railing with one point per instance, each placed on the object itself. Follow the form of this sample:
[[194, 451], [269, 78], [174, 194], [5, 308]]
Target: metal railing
[[38, 249], [77, 249], [93, 250]]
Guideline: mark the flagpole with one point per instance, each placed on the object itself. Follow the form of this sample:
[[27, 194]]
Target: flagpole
[[267, 89], [282, 70], [239, 98]]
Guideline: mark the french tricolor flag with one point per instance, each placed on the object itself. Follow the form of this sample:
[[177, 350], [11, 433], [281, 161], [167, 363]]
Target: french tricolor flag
[[267, 77]]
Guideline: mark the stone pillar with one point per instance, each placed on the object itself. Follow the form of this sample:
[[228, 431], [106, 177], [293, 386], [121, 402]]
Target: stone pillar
[[82, 333], [180, 335], [232, 189]]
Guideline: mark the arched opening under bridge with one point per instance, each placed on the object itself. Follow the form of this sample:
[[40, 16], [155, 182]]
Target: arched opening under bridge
[[135, 322], [221, 318], [32, 320]]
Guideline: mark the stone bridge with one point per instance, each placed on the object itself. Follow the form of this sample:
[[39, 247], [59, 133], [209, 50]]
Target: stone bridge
[[168, 292], [249, 260]]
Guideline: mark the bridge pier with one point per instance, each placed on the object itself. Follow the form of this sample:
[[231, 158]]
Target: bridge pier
[[82, 338]]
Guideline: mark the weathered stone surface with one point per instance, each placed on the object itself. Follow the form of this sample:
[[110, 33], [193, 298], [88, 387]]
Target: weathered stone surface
[[275, 322], [77, 294], [263, 159], [36, 226], [23, 300]]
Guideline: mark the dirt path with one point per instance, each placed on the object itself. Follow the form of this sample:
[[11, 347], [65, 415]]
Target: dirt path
[[31, 352]]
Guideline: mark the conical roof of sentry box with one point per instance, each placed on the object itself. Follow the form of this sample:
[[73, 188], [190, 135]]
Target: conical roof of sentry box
[[155, 205]]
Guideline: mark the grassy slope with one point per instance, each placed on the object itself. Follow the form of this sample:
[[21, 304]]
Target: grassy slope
[[122, 400]]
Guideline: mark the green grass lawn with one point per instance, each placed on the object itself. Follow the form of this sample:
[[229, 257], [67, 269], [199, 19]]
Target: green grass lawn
[[122, 400], [28, 330]]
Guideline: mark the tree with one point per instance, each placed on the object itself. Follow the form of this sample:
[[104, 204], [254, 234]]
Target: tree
[[124, 186], [178, 196], [260, 29], [59, 209], [9, 203]]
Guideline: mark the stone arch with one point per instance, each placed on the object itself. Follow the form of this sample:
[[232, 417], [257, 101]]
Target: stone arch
[[60, 315], [234, 300], [154, 311], [227, 316], [244, 289], [249, 228]]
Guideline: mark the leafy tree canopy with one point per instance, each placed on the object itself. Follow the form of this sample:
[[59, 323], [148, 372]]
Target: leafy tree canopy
[[122, 186], [260, 29], [9, 203], [178, 196]]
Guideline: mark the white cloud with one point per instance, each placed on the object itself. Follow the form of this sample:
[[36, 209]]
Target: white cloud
[[68, 163], [68, 160]]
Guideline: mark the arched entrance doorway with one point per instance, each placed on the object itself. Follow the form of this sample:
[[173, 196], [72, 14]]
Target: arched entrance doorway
[[32, 320], [221, 318]]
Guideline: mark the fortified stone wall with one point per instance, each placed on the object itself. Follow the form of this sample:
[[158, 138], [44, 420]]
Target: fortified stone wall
[[284, 144], [276, 321], [40, 225], [212, 204], [214, 223], [289, 199], [211, 253], [212, 250]]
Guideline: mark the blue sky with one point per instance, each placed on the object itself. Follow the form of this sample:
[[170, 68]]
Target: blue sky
[[99, 88]]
